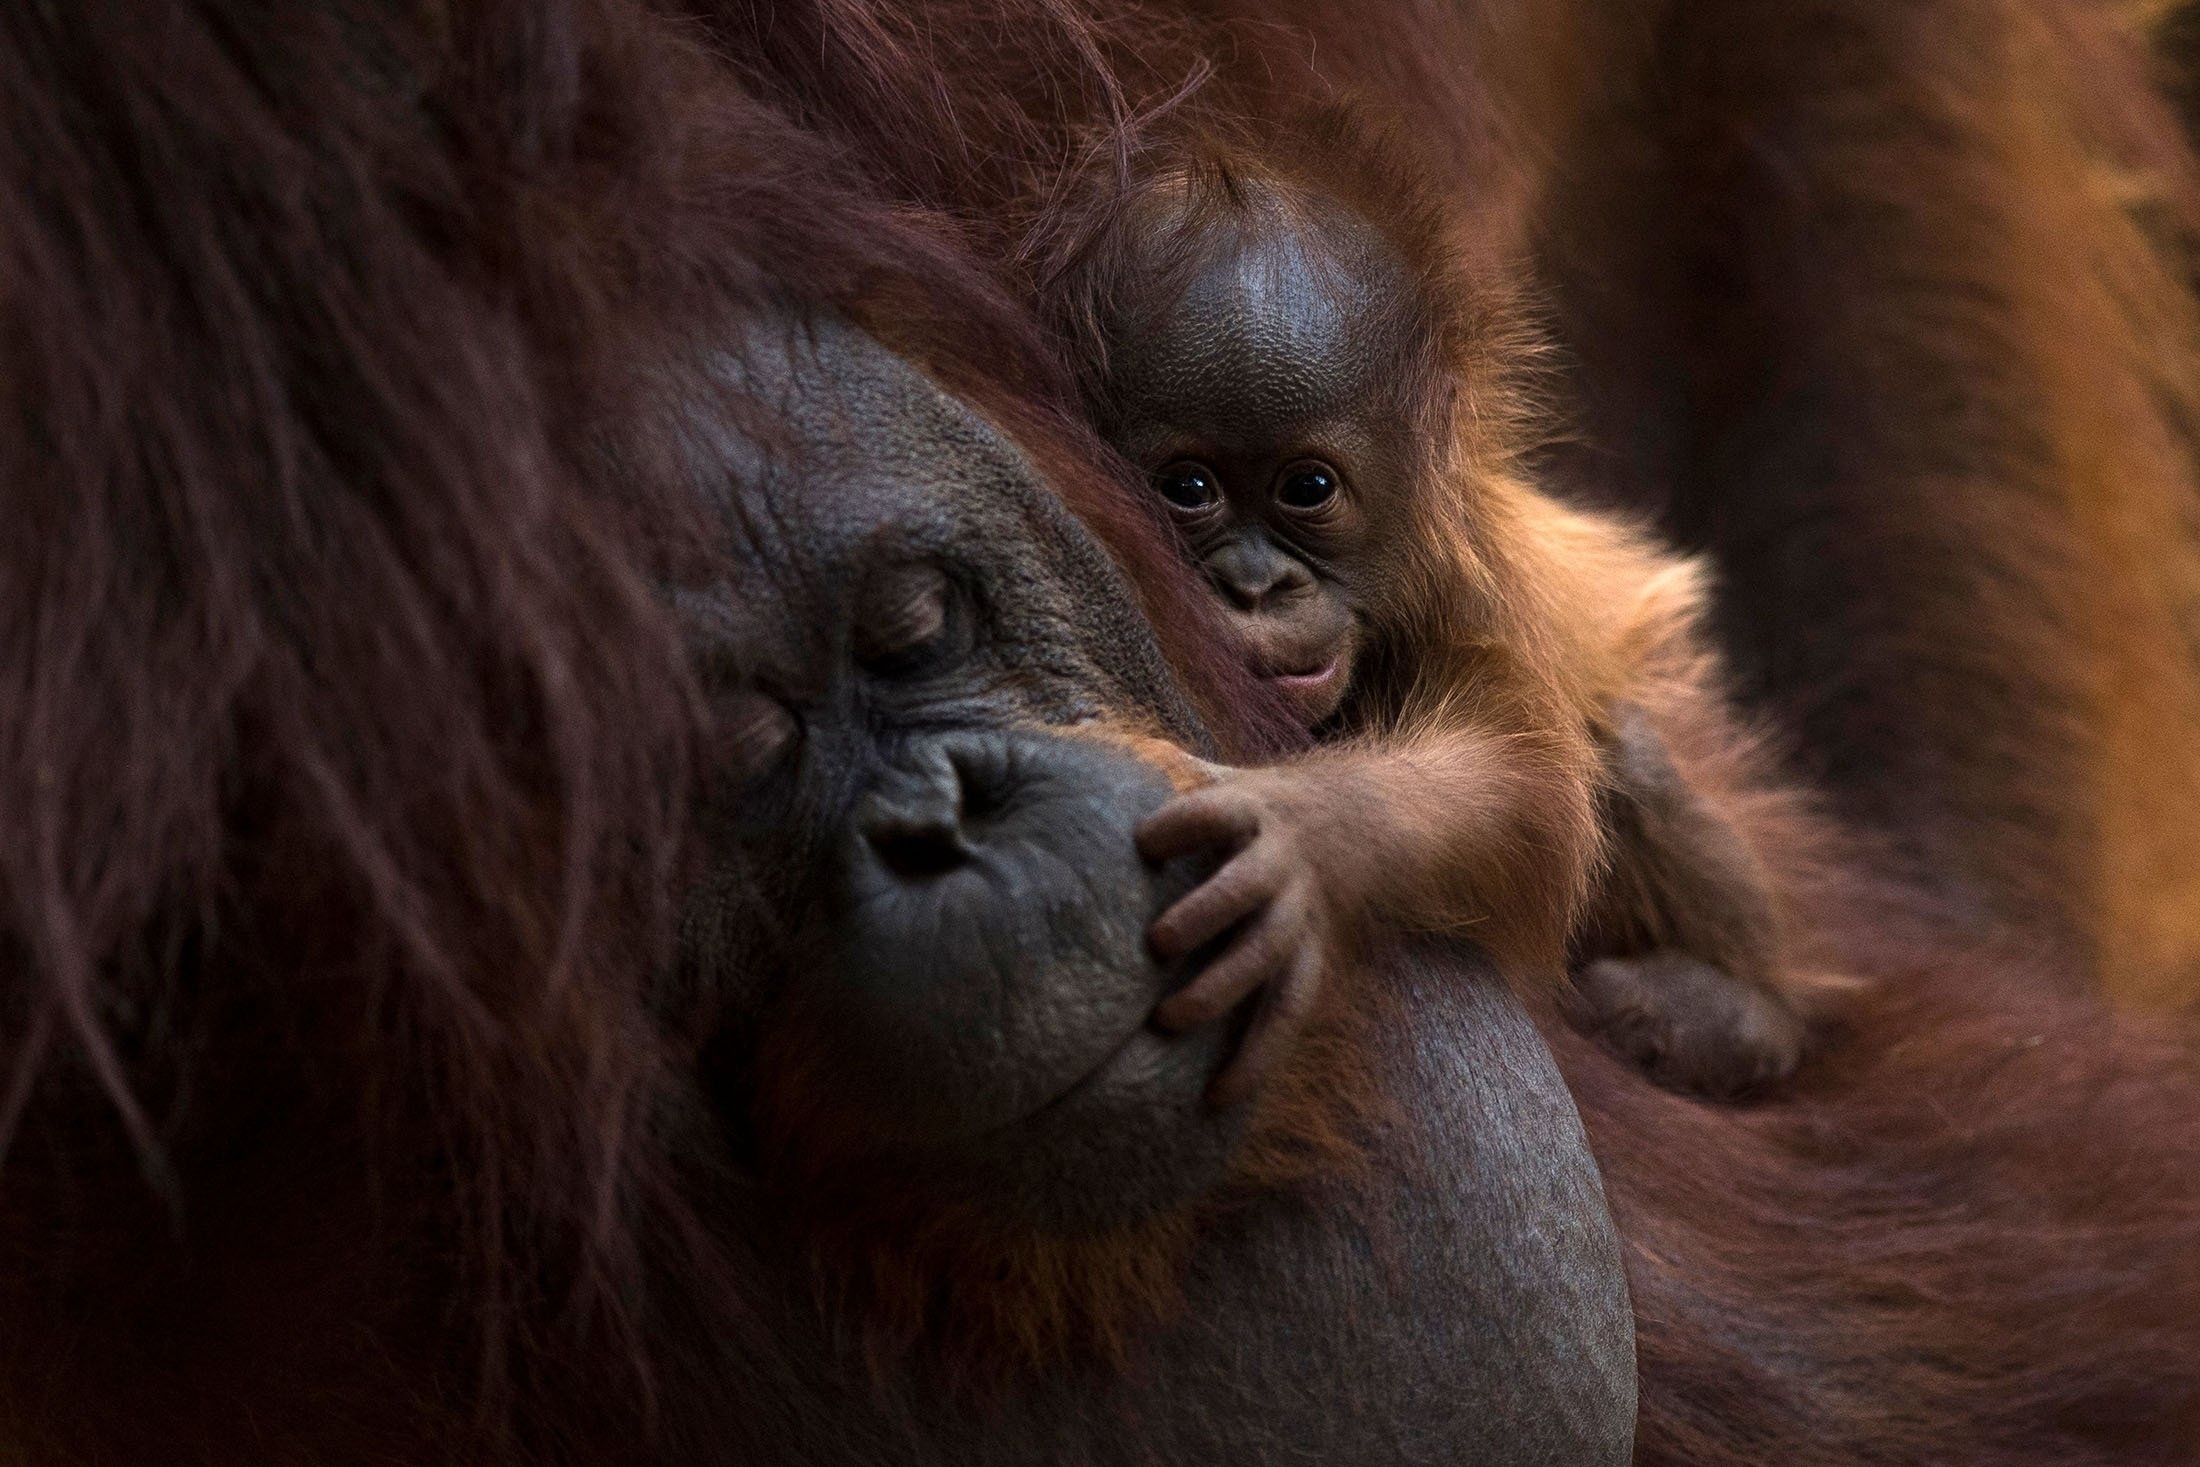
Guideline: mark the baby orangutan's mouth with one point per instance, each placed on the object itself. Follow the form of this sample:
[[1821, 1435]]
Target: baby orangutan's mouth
[[1316, 680], [1314, 692], [1309, 666]]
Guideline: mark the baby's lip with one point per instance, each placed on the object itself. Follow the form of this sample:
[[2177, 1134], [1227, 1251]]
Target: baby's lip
[[1305, 681]]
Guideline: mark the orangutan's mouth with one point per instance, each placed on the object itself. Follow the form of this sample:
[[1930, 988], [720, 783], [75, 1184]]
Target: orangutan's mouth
[[1315, 681]]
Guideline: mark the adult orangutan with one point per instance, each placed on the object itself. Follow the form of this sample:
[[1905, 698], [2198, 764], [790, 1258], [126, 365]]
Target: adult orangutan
[[345, 744], [539, 921]]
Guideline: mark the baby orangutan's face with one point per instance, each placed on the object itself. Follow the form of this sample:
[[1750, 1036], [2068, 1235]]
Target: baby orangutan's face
[[1258, 406]]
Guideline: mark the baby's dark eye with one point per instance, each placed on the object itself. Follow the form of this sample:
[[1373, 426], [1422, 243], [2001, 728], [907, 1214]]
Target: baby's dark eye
[[1307, 486], [1187, 485]]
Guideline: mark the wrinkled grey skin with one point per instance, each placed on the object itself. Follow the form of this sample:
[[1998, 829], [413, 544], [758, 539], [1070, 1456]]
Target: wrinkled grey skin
[[986, 1007]]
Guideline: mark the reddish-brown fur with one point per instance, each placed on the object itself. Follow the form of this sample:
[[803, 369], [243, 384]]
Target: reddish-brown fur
[[342, 740], [1976, 1220], [1883, 306]]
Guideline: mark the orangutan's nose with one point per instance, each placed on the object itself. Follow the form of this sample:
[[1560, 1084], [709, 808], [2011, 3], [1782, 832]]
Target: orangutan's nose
[[919, 820]]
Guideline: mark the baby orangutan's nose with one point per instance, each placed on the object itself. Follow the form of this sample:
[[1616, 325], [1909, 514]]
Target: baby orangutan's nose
[[1255, 574]]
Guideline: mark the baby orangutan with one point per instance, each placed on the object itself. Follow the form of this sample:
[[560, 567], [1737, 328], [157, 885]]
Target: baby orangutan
[[1522, 734]]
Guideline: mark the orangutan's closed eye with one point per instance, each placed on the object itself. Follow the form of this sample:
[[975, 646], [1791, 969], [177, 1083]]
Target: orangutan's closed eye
[[902, 610]]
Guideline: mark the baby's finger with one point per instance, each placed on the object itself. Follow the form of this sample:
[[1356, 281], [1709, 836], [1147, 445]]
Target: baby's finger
[[1283, 1013], [1257, 955], [1244, 884], [1199, 821]]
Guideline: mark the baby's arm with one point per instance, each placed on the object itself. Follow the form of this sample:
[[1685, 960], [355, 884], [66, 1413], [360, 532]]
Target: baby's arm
[[1679, 962], [1488, 834]]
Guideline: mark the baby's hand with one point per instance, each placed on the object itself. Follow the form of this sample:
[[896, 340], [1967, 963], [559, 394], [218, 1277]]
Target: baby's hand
[[1270, 890]]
